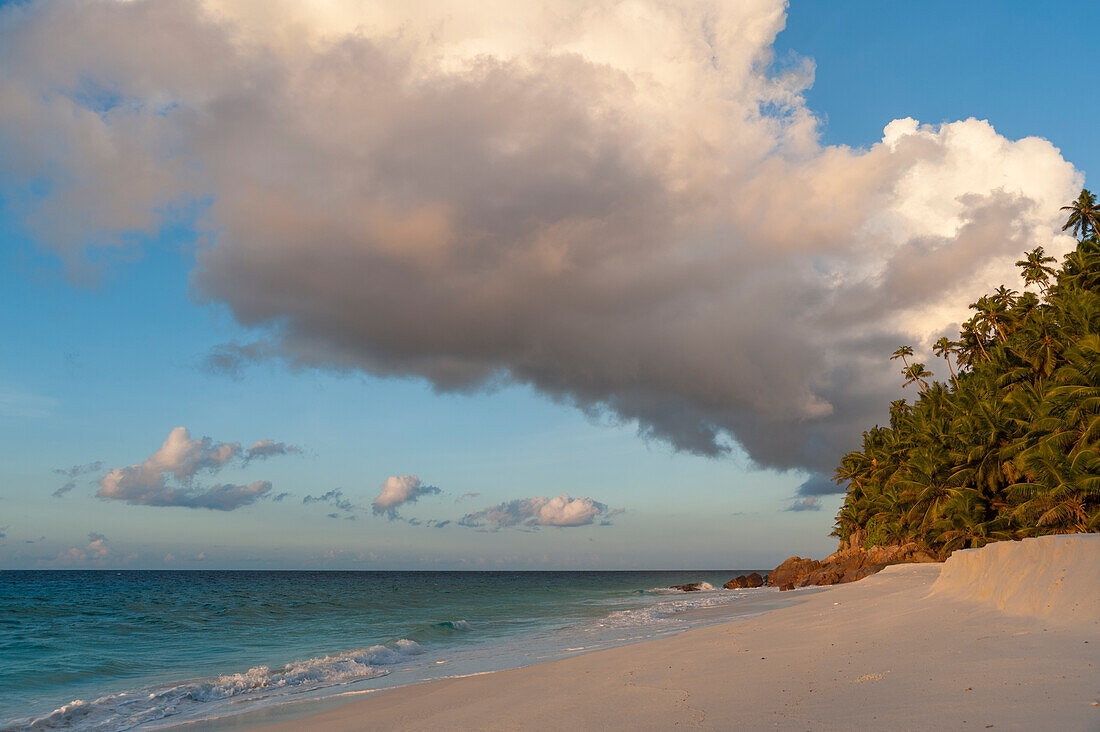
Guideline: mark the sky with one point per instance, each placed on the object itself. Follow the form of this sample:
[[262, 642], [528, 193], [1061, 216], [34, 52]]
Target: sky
[[494, 285]]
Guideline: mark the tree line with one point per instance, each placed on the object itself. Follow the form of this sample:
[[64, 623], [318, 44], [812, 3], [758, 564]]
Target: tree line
[[1009, 446]]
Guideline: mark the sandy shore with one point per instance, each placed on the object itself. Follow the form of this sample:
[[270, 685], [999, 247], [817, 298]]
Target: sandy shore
[[1009, 638]]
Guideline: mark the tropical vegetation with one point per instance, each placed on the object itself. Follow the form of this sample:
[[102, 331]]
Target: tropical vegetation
[[1009, 446]]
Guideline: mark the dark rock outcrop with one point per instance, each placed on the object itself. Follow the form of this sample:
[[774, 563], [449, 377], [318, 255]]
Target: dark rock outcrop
[[745, 581], [690, 587], [792, 570], [852, 562]]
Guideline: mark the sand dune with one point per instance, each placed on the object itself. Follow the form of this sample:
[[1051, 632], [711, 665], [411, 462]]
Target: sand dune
[[1056, 578]]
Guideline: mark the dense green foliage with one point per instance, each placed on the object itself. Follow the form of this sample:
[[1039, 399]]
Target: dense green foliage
[[1009, 447]]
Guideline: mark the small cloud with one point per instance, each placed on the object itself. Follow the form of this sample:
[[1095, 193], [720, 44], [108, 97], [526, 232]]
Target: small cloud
[[433, 524], [809, 503], [270, 448], [464, 496], [96, 551], [182, 458], [561, 511], [231, 358], [228, 496], [73, 473], [334, 498], [279, 497], [399, 490], [819, 485]]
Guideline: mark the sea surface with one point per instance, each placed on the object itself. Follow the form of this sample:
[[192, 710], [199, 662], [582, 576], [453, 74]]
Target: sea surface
[[106, 650]]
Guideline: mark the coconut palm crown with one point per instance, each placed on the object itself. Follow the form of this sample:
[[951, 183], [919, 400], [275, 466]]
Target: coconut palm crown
[[1009, 445]]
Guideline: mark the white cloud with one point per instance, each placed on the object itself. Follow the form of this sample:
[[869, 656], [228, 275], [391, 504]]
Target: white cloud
[[182, 458], [96, 551], [807, 503], [397, 491], [540, 511], [616, 203]]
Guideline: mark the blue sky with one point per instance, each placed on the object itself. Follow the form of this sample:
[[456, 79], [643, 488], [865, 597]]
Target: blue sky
[[101, 368]]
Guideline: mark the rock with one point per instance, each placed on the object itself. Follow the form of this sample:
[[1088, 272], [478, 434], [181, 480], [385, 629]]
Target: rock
[[851, 562], [691, 587], [864, 571], [745, 581], [794, 570], [788, 586]]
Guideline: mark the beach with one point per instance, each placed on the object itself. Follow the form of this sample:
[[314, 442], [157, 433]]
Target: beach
[[1008, 638]]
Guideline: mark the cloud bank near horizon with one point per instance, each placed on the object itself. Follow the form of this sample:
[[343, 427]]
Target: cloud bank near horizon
[[560, 511], [624, 205], [181, 459]]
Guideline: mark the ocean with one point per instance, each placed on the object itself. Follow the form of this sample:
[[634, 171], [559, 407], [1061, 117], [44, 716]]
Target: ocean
[[107, 650]]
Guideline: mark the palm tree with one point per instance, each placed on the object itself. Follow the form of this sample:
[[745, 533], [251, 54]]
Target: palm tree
[[972, 339], [1034, 268], [992, 315], [1014, 449], [944, 348], [1004, 297], [901, 353], [1064, 500], [916, 373], [1084, 215]]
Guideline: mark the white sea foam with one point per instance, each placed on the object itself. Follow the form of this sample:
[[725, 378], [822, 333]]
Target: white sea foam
[[130, 709], [666, 610], [702, 587]]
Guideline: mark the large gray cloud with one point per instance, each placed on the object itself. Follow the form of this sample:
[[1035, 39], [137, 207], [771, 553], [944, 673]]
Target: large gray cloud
[[621, 206]]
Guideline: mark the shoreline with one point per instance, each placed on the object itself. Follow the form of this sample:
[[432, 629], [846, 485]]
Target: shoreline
[[896, 650], [713, 611], [367, 631]]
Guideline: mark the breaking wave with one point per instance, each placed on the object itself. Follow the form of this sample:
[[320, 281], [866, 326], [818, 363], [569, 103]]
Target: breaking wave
[[679, 602], [130, 709]]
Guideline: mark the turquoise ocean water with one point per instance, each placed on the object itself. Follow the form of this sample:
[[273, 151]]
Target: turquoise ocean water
[[105, 650]]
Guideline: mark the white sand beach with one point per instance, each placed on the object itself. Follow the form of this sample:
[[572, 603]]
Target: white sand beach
[[1005, 637]]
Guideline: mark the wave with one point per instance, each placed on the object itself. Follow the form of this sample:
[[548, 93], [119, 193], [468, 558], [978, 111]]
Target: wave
[[130, 709], [436, 632], [666, 610], [703, 587]]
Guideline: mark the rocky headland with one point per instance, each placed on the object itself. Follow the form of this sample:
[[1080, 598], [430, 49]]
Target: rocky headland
[[849, 563]]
